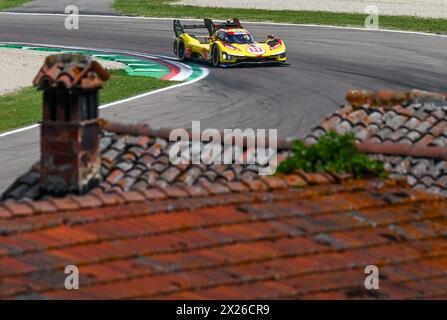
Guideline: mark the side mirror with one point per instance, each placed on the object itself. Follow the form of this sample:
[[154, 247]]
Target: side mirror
[[271, 36]]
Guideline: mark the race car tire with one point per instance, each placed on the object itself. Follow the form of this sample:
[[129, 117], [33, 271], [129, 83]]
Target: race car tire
[[216, 56], [175, 47], [181, 50]]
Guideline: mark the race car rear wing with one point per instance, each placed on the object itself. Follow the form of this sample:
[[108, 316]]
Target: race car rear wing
[[208, 24], [179, 28], [235, 23]]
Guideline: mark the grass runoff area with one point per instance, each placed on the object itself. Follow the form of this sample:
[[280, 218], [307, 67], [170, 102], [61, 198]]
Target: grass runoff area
[[6, 4], [164, 8], [24, 107]]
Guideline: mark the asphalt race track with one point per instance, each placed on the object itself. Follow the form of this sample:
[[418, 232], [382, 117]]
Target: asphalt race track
[[323, 64]]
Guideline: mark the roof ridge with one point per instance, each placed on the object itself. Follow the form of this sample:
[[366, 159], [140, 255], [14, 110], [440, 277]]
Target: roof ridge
[[291, 184], [143, 129], [388, 98], [403, 149]]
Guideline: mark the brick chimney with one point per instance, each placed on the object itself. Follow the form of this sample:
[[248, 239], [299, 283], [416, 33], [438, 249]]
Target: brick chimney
[[70, 132]]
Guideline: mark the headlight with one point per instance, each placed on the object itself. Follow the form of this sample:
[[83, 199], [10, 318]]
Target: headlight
[[227, 56], [282, 55]]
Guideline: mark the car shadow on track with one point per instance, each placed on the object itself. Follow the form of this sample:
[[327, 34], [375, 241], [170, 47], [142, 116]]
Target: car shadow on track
[[244, 66], [238, 66]]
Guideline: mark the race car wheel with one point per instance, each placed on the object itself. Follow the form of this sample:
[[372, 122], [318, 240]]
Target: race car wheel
[[181, 49], [216, 56]]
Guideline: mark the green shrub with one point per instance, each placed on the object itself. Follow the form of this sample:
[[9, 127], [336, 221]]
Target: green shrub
[[334, 153]]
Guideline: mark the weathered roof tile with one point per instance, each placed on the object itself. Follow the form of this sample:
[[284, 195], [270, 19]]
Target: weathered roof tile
[[4, 211], [419, 122], [19, 208], [276, 241]]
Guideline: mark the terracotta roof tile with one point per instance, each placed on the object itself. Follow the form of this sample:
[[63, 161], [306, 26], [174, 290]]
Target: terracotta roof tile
[[42, 206], [415, 119], [4, 211], [19, 208], [291, 243], [70, 71]]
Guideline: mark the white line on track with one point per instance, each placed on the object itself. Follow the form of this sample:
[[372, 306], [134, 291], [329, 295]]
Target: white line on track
[[247, 22], [205, 73], [19, 130]]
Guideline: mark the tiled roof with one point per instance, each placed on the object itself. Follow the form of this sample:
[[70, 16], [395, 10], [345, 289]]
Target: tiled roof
[[70, 71], [417, 119], [136, 158], [160, 231], [312, 242]]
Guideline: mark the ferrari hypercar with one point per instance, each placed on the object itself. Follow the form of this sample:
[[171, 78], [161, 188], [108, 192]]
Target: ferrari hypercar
[[226, 44]]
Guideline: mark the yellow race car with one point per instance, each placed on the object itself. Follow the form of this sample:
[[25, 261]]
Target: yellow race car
[[226, 44]]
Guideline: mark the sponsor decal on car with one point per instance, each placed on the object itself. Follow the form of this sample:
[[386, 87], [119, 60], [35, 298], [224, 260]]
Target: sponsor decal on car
[[256, 50], [230, 46]]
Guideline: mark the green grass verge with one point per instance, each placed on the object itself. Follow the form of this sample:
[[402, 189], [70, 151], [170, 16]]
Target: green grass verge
[[163, 8], [24, 107], [7, 4]]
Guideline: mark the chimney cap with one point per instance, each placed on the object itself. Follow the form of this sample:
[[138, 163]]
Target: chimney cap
[[70, 71]]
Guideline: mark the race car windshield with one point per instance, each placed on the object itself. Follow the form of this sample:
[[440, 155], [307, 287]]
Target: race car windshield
[[240, 38]]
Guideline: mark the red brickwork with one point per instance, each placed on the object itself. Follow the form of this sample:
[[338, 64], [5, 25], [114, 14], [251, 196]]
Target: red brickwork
[[70, 132]]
